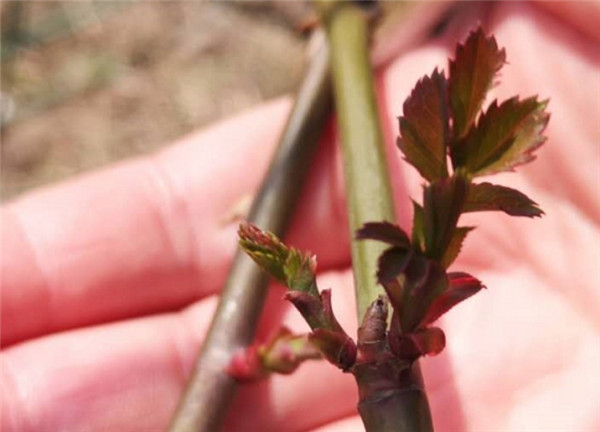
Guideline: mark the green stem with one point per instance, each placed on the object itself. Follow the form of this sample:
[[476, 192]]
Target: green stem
[[389, 400], [368, 190], [211, 388]]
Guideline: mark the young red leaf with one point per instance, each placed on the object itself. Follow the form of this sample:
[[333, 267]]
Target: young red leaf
[[411, 346], [425, 280], [442, 206], [385, 232], [505, 136], [471, 75], [489, 197], [460, 287], [424, 128], [528, 138], [455, 245], [288, 265], [391, 264], [412, 282]]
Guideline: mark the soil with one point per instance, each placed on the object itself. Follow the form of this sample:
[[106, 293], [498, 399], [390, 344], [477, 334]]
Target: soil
[[88, 83]]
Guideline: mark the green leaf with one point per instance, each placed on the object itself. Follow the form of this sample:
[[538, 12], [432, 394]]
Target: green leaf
[[442, 205], [289, 266], [505, 136], [471, 75], [491, 197], [385, 232], [461, 286], [300, 270], [265, 249], [455, 245], [424, 128]]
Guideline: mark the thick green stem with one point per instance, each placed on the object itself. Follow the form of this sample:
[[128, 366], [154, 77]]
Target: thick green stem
[[368, 190], [211, 388], [391, 399]]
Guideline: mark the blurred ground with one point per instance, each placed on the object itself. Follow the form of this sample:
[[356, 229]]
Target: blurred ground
[[87, 83]]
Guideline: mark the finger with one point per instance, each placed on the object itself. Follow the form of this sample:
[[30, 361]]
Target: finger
[[128, 377], [139, 237]]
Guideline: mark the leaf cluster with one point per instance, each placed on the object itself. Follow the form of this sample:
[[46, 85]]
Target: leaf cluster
[[443, 118], [297, 270], [447, 136], [451, 141]]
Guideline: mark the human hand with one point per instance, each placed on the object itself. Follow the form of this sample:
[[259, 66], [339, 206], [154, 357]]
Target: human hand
[[95, 271]]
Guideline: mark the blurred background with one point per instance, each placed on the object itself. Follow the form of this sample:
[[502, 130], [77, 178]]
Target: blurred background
[[87, 83]]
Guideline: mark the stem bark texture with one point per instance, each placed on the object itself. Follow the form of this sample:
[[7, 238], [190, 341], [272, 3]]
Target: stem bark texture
[[207, 396]]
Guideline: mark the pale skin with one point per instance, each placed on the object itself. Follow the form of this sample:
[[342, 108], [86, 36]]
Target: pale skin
[[109, 280]]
